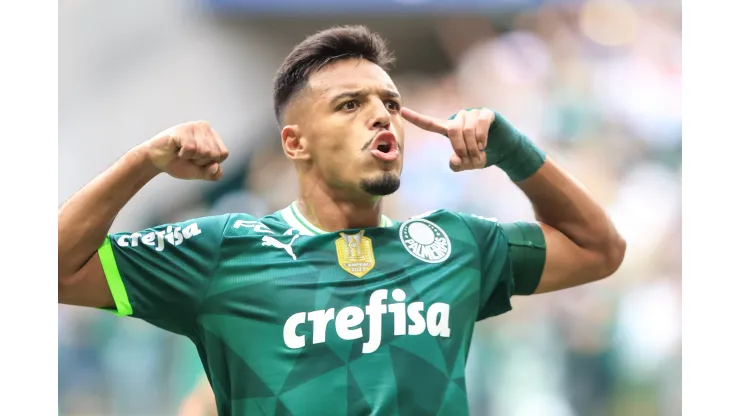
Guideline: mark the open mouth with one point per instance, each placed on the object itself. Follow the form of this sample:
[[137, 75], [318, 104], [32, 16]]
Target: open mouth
[[385, 146]]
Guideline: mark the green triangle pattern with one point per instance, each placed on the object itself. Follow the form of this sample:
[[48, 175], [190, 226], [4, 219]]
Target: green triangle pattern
[[304, 399], [311, 364], [422, 398]]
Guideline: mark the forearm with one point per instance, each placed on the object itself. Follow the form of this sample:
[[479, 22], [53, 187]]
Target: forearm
[[85, 219], [563, 203], [582, 243]]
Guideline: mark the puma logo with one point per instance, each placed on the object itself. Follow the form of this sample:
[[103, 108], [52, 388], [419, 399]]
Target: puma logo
[[272, 242]]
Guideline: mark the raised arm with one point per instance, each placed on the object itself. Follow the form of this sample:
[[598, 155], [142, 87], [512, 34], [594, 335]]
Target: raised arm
[[186, 151], [581, 243]]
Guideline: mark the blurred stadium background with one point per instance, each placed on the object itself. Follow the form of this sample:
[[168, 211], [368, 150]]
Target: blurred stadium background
[[596, 83]]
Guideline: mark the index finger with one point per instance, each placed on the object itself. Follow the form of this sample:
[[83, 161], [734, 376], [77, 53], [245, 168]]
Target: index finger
[[424, 122]]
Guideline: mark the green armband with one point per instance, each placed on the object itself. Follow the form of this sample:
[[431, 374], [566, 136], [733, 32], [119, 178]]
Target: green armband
[[527, 251], [511, 151]]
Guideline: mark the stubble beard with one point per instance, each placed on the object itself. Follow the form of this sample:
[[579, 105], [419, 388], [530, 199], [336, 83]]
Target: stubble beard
[[384, 184]]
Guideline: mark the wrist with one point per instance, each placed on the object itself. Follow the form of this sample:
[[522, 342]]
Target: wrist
[[511, 151], [138, 161]]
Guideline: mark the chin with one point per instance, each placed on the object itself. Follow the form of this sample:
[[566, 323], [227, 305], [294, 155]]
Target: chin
[[381, 184]]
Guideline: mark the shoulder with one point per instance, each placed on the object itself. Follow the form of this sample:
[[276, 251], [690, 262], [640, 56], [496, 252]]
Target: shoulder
[[242, 225], [212, 225], [448, 216], [447, 223], [457, 225]]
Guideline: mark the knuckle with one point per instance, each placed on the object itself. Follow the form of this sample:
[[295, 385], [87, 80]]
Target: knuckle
[[189, 126], [185, 131], [203, 152], [195, 127], [205, 127]]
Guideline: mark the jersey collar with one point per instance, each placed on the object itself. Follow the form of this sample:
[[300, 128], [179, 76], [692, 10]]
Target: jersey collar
[[295, 219]]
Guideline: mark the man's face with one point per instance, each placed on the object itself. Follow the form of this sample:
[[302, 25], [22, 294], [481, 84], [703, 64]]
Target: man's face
[[350, 120]]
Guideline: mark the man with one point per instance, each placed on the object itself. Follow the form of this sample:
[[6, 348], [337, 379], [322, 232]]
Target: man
[[327, 306]]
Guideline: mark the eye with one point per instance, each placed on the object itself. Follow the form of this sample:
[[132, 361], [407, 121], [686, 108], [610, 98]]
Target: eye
[[393, 105], [349, 105]]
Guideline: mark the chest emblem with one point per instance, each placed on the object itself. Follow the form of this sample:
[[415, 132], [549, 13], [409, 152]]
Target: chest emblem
[[355, 253], [425, 240]]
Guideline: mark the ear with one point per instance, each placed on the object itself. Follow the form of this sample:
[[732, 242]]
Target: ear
[[294, 144]]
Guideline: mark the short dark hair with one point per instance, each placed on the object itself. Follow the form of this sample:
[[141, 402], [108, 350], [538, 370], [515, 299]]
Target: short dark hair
[[320, 49]]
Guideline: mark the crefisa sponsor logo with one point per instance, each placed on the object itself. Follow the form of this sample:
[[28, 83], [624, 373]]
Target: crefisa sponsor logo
[[174, 235]]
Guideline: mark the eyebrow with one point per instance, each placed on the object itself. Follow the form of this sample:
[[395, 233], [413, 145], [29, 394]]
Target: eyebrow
[[358, 93]]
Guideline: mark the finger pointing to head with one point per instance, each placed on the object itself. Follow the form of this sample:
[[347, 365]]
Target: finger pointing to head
[[424, 122]]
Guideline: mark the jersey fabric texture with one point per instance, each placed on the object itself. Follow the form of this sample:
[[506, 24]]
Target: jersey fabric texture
[[291, 320]]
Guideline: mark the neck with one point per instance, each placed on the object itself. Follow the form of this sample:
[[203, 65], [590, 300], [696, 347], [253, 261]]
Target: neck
[[327, 209]]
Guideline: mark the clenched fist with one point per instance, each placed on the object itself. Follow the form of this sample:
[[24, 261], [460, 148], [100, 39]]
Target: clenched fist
[[188, 151]]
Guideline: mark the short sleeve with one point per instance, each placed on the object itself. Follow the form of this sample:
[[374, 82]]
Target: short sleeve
[[512, 258], [161, 274]]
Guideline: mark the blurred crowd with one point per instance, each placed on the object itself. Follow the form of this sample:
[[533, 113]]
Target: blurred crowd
[[599, 88]]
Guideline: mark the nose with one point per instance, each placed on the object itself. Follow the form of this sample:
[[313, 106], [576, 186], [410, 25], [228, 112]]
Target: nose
[[381, 118]]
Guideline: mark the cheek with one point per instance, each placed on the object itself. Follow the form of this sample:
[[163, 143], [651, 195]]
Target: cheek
[[333, 146], [341, 139], [325, 140], [398, 128], [331, 150]]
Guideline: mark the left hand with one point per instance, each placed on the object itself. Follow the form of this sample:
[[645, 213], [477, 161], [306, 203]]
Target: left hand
[[468, 134]]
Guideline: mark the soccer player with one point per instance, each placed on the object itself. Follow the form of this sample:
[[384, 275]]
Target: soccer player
[[327, 306]]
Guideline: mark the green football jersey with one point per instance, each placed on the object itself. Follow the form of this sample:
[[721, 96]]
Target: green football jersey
[[291, 320]]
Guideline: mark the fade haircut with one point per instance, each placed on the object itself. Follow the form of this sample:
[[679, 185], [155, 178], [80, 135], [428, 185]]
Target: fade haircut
[[321, 49]]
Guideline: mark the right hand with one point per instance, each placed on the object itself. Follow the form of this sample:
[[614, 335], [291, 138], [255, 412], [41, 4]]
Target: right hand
[[190, 150]]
